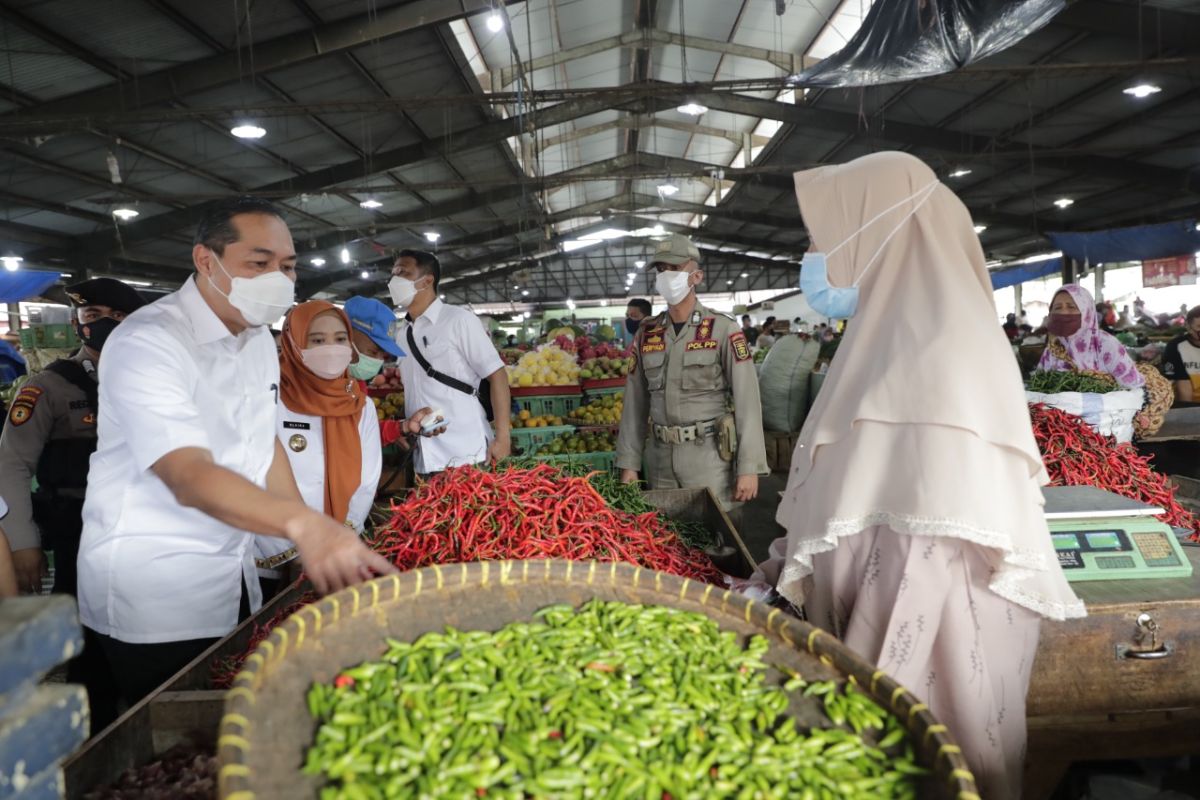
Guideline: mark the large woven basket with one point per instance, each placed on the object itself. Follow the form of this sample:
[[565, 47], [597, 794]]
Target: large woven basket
[[267, 727]]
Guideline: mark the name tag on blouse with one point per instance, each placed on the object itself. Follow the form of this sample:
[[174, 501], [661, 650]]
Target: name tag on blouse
[[296, 426]]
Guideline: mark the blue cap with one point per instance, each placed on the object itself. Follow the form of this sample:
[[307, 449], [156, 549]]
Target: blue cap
[[375, 320]]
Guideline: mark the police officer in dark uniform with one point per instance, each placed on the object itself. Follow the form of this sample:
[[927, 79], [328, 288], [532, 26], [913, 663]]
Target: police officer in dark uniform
[[50, 434]]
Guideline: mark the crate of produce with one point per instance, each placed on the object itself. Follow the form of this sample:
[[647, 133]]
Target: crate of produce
[[599, 411], [275, 716], [54, 336], [602, 386], [526, 441], [559, 404]]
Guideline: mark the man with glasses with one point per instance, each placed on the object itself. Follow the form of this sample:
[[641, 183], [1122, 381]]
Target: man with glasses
[[693, 390]]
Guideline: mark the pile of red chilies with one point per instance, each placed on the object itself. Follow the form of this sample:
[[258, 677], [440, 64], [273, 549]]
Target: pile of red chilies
[[467, 514], [1075, 455], [222, 671]]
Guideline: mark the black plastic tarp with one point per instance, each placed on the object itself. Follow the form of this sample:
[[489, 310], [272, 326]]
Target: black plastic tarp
[[901, 40]]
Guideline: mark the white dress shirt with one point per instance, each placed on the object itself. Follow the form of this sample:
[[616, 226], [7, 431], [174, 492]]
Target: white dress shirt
[[303, 438], [173, 376], [454, 343]]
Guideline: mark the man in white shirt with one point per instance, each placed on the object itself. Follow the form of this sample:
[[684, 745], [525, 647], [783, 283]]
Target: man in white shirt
[[188, 465], [460, 355]]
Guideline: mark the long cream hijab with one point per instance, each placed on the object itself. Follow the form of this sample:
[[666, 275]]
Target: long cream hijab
[[921, 423]]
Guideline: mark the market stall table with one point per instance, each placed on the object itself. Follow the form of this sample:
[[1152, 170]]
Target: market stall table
[[1122, 683]]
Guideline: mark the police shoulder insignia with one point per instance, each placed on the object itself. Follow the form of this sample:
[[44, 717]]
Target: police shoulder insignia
[[23, 404], [741, 349]]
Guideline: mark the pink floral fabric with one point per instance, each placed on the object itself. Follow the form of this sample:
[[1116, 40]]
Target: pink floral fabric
[[1091, 348]]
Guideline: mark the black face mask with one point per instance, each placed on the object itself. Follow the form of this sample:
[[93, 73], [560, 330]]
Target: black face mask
[[95, 334], [632, 325]]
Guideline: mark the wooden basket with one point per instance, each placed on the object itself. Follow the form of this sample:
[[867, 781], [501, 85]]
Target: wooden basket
[[267, 727]]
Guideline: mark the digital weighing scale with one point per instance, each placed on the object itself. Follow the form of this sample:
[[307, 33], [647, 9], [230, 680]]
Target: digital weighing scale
[[1101, 536]]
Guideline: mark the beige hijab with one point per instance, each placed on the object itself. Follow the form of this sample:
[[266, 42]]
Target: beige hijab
[[921, 423]]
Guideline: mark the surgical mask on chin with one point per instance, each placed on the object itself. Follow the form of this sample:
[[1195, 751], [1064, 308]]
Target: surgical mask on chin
[[402, 291], [673, 286], [365, 368], [327, 360], [840, 302], [262, 299]]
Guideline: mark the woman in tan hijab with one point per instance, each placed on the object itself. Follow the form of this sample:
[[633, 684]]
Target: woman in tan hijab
[[913, 510]]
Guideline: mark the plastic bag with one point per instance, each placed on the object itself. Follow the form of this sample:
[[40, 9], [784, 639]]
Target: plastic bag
[[901, 40], [783, 383]]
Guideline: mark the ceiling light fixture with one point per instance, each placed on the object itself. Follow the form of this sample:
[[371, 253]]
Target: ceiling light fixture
[[960, 172], [658, 230], [248, 131], [639, 264], [524, 293], [570, 304], [495, 22], [629, 276], [1063, 202], [980, 228], [345, 255], [745, 274], [604, 302], [12, 263], [125, 213], [318, 262], [371, 202], [692, 109], [365, 275], [432, 236], [668, 189], [1142, 90]]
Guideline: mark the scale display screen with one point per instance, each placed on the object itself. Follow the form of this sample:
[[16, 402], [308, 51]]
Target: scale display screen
[[1140, 549]]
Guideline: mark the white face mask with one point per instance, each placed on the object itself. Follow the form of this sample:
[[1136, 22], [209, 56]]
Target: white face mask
[[402, 290], [262, 299], [327, 360], [673, 285]]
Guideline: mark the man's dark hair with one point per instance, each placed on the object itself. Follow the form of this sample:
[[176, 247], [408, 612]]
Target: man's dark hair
[[1194, 313], [427, 263], [641, 305], [216, 230], [768, 322], [745, 317]]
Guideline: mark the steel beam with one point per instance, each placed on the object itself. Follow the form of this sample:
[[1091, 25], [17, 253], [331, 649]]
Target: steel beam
[[1153, 25], [273, 54]]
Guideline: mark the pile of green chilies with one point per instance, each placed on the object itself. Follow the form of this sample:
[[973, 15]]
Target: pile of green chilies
[[1055, 382], [612, 700]]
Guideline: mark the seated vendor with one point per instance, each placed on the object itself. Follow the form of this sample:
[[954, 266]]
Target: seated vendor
[[1077, 343], [1181, 361]]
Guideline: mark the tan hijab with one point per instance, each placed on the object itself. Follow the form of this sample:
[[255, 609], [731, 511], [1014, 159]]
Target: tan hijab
[[921, 423]]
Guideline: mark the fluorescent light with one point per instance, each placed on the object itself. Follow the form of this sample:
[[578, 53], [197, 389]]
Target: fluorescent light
[[495, 24], [345, 255], [692, 109], [1143, 90], [371, 202], [980, 228], [604, 302], [658, 230], [318, 262], [248, 131], [1063, 202], [12, 263], [570, 304], [432, 236], [527, 315], [668, 189], [639, 263], [125, 213], [960, 172], [364, 275]]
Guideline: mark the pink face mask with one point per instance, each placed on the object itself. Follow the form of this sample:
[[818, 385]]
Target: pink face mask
[[1064, 325], [327, 360]]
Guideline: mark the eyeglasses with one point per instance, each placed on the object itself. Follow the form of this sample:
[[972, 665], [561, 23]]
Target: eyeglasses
[[660, 266]]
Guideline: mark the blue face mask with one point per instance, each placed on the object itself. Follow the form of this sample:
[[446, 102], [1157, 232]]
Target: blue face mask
[[840, 302]]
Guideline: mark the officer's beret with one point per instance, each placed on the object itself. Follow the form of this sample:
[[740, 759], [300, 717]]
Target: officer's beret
[[105, 292]]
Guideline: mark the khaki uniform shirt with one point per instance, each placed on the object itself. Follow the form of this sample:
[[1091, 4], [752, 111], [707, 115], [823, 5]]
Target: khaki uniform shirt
[[689, 377], [47, 408]]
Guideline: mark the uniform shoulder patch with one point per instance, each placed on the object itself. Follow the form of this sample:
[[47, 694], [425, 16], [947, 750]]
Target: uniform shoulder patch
[[741, 348], [23, 404]]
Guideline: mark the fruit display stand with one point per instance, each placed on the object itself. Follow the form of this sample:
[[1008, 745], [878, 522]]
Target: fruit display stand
[[526, 441], [594, 389], [268, 726], [547, 401]]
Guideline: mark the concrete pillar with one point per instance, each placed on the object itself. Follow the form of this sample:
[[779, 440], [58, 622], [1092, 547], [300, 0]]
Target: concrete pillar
[[14, 316], [1099, 283], [1018, 301]]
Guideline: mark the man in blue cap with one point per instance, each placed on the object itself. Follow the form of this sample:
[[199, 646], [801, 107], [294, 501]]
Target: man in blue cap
[[374, 334]]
